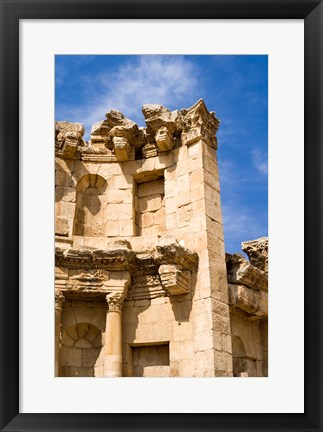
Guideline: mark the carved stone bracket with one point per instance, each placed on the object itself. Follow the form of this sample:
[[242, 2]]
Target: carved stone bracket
[[174, 279], [118, 134], [171, 252], [160, 125], [254, 303]]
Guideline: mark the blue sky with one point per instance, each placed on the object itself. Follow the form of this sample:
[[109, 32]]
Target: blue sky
[[235, 87]]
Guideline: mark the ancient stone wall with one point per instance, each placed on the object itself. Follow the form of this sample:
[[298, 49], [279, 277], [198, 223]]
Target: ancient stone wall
[[248, 299], [139, 232]]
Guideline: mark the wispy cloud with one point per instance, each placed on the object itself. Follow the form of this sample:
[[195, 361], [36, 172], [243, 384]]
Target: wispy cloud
[[260, 160], [166, 80], [240, 224]]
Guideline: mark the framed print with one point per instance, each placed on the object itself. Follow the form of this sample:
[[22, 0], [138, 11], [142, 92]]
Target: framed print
[[151, 297]]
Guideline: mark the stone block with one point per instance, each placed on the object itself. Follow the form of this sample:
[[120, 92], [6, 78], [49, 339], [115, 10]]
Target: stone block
[[63, 178], [182, 350], [186, 368], [184, 215], [115, 196], [120, 182], [74, 357], [126, 228], [150, 188], [146, 220], [197, 176], [194, 150], [159, 216], [170, 188], [62, 226], [151, 203], [171, 204], [67, 209], [67, 340], [119, 212], [183, 198], [183, 182], [82, 343], [113, 228], [221, 324], [171, 221], [65, 193], [90, 356]]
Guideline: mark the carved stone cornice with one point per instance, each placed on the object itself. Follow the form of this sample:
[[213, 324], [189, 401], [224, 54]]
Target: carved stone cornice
[[164, 270], [59, 299], [198, 123], [240, 271], [110, 259]]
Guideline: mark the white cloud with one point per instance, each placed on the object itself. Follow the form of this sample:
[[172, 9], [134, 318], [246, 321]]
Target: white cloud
[[166, 80], [260, 160], [240, 224]]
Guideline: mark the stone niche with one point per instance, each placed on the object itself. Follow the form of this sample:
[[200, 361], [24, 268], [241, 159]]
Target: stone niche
[[151, 360], [150, 204], [90, 213]]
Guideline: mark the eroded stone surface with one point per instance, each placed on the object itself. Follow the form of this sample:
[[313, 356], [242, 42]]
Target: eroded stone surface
[[142, 283], [257, 251]]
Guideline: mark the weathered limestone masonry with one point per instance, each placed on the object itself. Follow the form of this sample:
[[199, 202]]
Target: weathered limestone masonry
[[248, 298], [141, 274]]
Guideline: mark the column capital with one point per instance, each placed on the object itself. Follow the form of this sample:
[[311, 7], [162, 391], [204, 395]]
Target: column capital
[[115, 300], [59, 299]]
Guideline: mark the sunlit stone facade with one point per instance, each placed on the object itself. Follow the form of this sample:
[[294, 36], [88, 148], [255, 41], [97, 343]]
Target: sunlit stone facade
[[143, 286]]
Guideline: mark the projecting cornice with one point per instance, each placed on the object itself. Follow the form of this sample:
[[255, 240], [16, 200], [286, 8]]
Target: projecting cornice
[[121, 257], [118, 139]]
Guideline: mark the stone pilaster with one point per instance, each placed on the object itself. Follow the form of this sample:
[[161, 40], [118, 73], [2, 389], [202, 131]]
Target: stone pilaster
[[59, 300]]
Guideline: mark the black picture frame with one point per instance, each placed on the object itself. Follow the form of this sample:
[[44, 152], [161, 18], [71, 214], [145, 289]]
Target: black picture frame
[[11, 12]]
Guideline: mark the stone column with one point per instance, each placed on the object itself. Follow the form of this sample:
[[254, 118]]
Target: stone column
[[113, 332], [59, 300]]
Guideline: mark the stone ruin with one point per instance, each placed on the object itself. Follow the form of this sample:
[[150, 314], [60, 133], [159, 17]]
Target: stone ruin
[[143, 286]]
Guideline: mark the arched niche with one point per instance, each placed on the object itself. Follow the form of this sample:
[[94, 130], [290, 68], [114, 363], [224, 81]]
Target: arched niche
[[81, 351], [91, 202]]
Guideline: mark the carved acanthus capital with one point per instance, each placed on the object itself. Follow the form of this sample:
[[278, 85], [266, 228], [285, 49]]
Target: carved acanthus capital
[[115, 300], [59, 299], [198, 123]]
